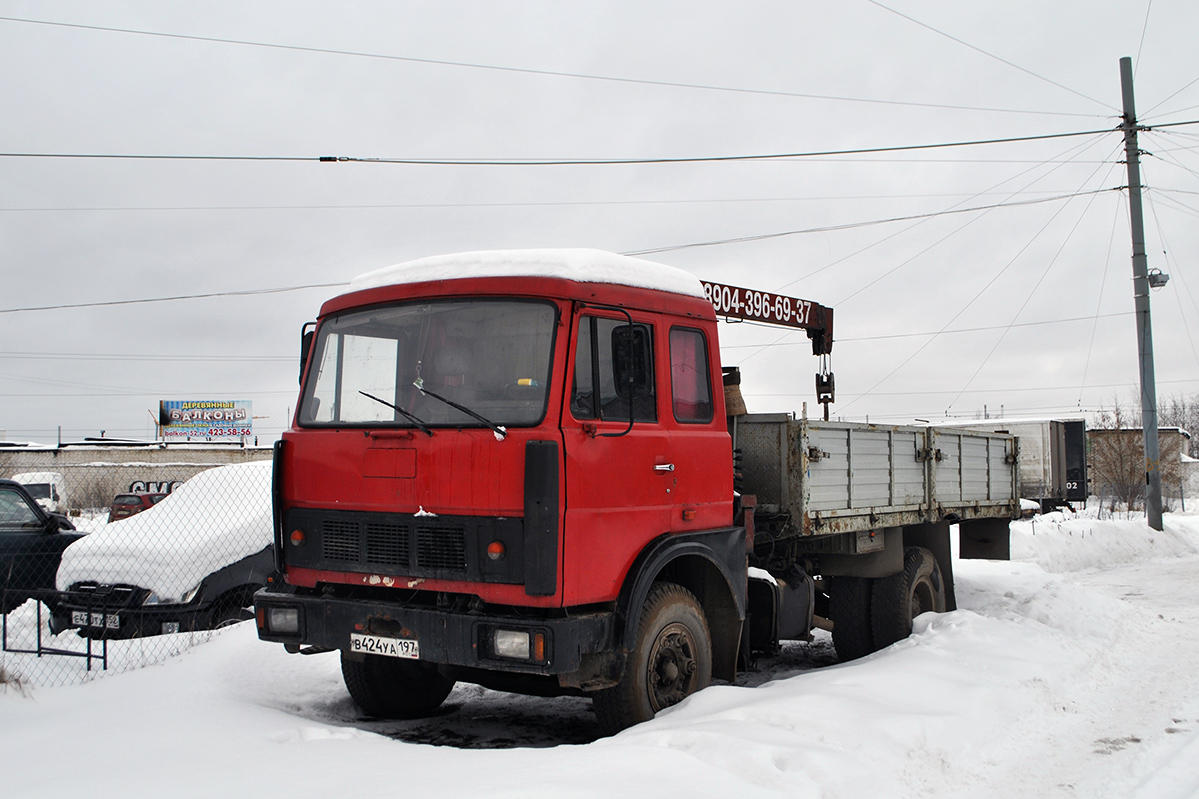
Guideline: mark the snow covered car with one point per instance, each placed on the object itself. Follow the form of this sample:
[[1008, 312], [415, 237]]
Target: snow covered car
[[31, 544], [191, 562]]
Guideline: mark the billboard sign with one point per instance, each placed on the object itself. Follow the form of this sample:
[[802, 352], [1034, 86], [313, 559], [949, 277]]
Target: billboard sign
[[205, 419]]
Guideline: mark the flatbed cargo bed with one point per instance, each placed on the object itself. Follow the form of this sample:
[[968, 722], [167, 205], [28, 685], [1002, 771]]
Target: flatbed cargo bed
[[830, 478]]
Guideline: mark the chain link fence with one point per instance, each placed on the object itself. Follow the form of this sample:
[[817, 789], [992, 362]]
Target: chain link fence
[[106, 567]]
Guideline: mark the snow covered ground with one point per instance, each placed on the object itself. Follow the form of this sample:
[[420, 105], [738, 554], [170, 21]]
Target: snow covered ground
[[1071, 671]]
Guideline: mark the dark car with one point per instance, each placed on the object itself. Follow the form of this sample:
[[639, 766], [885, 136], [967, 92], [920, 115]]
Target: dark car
[[31, 545], [126, 505]]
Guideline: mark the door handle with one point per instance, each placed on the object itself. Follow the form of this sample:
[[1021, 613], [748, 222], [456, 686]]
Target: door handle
[[664, 467]]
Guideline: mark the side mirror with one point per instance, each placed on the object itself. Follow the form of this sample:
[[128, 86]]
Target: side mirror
[[307, 332]]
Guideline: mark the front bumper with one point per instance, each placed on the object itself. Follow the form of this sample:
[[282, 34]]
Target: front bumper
[[99, 620], [445, 637]]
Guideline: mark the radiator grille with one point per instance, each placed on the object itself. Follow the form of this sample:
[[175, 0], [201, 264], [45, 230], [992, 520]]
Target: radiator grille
[[341, 540], [441, 547], [387, 543], [447, 547]]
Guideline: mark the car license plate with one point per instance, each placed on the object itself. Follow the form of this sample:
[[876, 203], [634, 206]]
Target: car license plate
[[391, 647], [82, 618]]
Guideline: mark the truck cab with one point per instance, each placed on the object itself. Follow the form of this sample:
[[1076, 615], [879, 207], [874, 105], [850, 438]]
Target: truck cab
[[502, 465]]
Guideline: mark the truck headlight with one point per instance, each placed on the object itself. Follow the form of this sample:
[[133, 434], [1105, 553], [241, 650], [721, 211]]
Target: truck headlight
[[512, 644], [527, 645], [283, 620]]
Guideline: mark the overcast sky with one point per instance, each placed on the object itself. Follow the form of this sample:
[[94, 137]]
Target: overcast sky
[[1035, 299]]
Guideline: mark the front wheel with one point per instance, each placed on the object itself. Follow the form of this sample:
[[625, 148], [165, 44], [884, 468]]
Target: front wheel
[[671, 659], [390, 688]]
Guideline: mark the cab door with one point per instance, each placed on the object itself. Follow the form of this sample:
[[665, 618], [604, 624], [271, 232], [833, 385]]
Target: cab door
[[617, 452], [701, 450]]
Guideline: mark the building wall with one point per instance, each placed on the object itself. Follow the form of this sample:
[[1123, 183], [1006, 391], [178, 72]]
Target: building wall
[[95, 474]]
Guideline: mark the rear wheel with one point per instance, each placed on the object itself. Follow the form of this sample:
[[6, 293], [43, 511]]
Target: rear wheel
[[898, 599], [849, 609], [671, 660], [391, 688]]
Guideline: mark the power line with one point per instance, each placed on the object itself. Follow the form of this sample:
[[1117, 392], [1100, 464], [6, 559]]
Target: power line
[[1031, 293], [527, 71], [278, 290], [585, 161], [1172, 96], [890, 336], [1075, 152], [109, 356], [568, 161], [1144, 28], [852, 225], [990, 55], [1107, 262], [531, 204], [973, 299], [244, 293], [1003, 389], [1073, 159]]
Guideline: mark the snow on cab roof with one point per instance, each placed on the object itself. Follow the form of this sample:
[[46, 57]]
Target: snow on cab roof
[[580, 265]]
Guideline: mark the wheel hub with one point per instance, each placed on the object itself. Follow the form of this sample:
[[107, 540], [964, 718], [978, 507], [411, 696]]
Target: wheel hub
[[672, 667]]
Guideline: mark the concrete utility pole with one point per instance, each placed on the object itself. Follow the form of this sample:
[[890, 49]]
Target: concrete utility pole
[[1141, 282]]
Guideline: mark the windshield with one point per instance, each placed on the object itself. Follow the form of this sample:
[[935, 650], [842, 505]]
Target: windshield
[[38, 490], [490, 356]]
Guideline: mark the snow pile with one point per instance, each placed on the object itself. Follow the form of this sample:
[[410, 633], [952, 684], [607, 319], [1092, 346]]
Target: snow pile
[[216, 518], [1066, 542], [580, 265], [1064, 683]]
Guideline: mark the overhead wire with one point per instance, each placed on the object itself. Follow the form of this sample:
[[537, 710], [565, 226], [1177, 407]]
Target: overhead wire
[[565, 161], [525, 70], [973, 299], [1175, 273], [1145, 114], [508, 204], [1107, 262], [1076, 150], [938, 393], [991, 55], [144, 300], [1144, 27], [1029, 296], [892, 336], [905, 263], [867, 223]]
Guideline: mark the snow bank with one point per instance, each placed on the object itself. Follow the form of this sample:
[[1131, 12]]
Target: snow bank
[[1078, 683], [216, 518], [581, 265], [1066, 542]]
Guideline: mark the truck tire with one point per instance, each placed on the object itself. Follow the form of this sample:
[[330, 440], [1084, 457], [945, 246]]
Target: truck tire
[[390, 688], [849, 610], [902, 597], [671, 659]]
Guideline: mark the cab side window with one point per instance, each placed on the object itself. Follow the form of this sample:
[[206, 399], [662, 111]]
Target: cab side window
[[614, 371], [690, 384]]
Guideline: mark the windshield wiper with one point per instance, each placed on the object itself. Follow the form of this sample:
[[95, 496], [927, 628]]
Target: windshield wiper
[[499, 431], [423, 427]]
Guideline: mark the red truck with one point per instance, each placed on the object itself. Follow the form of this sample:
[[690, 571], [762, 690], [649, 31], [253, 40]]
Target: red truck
[[517, 469]]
